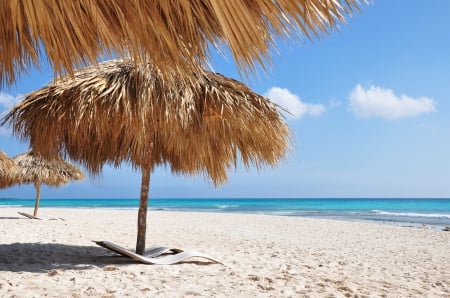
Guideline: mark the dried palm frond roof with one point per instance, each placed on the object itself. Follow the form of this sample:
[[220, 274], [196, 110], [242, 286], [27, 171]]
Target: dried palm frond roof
[[6, 165], [121, 112], [31, 168], [168, 33]]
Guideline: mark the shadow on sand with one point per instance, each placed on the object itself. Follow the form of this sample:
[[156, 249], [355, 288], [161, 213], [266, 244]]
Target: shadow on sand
[[45, 257]]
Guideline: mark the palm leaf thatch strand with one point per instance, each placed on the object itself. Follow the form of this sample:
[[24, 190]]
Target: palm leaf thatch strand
[[6, 165], [177, 32], [121, 112], [31, 168]]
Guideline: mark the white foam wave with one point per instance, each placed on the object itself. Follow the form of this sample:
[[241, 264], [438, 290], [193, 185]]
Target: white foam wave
[[227, 206], [412, 214]]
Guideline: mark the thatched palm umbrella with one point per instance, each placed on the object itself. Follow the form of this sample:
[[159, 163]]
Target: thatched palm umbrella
[[31, 168], [176, 32], [118, 112], [6, 165]]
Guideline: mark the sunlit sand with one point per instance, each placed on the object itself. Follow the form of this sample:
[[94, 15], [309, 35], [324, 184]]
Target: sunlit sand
[[264, 256]]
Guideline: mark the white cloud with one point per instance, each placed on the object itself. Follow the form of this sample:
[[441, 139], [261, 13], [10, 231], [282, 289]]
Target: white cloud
[[293, 104], [380, 102], [8, 100]]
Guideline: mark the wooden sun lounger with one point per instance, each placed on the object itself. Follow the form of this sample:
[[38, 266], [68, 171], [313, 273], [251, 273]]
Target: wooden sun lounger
[[152, 258]]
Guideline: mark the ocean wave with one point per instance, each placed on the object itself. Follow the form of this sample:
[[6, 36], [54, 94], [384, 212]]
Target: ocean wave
[[412, 214], [227, 206]]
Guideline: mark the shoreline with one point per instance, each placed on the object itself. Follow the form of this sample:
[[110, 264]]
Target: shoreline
[[264, 256], [430, 213], [392, 221]]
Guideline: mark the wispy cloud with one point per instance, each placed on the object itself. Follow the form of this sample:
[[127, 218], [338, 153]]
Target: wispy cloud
[[8, 100], [4, 131], [293, 104], [376, 101]]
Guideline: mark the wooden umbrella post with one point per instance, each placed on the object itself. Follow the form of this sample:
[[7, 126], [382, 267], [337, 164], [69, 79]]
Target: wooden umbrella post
[[142, 213], [37, 185]]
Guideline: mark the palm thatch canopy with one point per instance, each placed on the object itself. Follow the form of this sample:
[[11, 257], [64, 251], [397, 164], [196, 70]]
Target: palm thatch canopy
[[176, 32], [121, 112], [32, 168], [6, 165]]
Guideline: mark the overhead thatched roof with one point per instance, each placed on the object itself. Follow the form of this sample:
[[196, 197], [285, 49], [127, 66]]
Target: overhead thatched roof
[[169, 33], [6, 165], [118, 112], [31, 168]]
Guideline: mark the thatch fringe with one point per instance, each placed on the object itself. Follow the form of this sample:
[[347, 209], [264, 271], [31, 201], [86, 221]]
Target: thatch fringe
[[168, 33]]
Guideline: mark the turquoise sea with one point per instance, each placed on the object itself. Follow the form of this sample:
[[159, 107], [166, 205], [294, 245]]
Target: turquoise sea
[[429, 212]]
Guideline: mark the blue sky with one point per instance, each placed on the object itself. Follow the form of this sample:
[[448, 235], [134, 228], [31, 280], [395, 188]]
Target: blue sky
[[370, 105]]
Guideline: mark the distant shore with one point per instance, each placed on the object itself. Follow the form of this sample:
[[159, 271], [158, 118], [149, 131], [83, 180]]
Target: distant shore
[[264, 256]]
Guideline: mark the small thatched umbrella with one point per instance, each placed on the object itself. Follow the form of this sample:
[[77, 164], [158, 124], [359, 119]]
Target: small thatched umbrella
[[31, 168], [6, 165], [175, 32], [118, 112]]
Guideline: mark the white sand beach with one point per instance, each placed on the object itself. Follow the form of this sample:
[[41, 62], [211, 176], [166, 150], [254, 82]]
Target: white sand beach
[[264, 256]]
